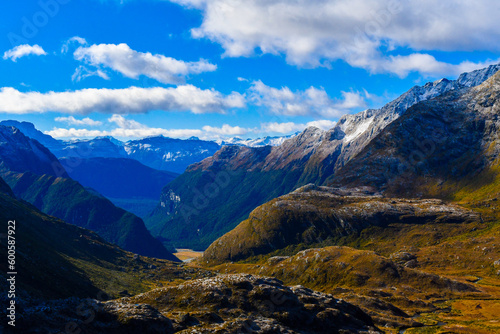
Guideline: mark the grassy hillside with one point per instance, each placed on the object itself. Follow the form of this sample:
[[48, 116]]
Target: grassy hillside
[[320, 215]]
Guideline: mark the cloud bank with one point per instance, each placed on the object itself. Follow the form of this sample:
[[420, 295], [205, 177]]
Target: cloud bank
[[131, 100], [128, 128], [312, 33]]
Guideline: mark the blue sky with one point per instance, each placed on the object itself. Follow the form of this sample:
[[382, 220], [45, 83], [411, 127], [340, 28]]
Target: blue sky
[[222, 68]]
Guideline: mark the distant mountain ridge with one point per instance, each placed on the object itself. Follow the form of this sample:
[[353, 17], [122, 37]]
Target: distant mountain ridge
[[194, 210], [28, 169], [19, 153], [159, 152], [258, 142]]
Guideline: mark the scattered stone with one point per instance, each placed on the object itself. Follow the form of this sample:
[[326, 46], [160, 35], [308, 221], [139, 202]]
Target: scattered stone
[[411, 264], [231, 304], [276, 259], [404, 258]]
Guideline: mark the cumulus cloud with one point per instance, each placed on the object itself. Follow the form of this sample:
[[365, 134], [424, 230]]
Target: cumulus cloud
[[128, 128], [24, 50], [289, 127], [120, 101], [132, 64], [311, 102], [315, 32], [81, 122]]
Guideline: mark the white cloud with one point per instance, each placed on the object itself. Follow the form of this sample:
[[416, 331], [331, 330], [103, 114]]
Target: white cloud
[[132, 64], [425, 64], [226, 130], [73, 40], [123, 133], [24, 50], [124, 123], [311, 102], [128, 128], [120, 101], [289, 127], [73, 121], [315, 32], [322, 124]]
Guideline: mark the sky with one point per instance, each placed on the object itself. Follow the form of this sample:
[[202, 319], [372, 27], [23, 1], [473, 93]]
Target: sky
[[223, 68]]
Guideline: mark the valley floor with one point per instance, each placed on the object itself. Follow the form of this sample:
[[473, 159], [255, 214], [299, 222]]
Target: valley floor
[[187, 255]]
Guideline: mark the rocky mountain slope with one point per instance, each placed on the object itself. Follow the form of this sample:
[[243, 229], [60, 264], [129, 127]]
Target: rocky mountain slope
[[35, 175], [223, 304], [258, 142], [229, 185], [314, 215], [442, 147], [20, 153], [29, 130]]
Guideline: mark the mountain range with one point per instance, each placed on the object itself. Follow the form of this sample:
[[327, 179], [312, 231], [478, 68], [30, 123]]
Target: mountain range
[[258, 142], [216, 194], [387, 222], [161, 153], [73, 273], [35, 175]]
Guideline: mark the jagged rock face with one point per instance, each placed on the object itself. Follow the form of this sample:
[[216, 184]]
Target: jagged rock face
[[434, 147], [20, 153], [29, 130], [311, 215], [261, 174], [223, 304]]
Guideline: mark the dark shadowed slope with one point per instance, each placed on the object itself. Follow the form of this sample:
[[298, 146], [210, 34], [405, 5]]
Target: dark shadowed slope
[[125, 182], [28, 168]]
